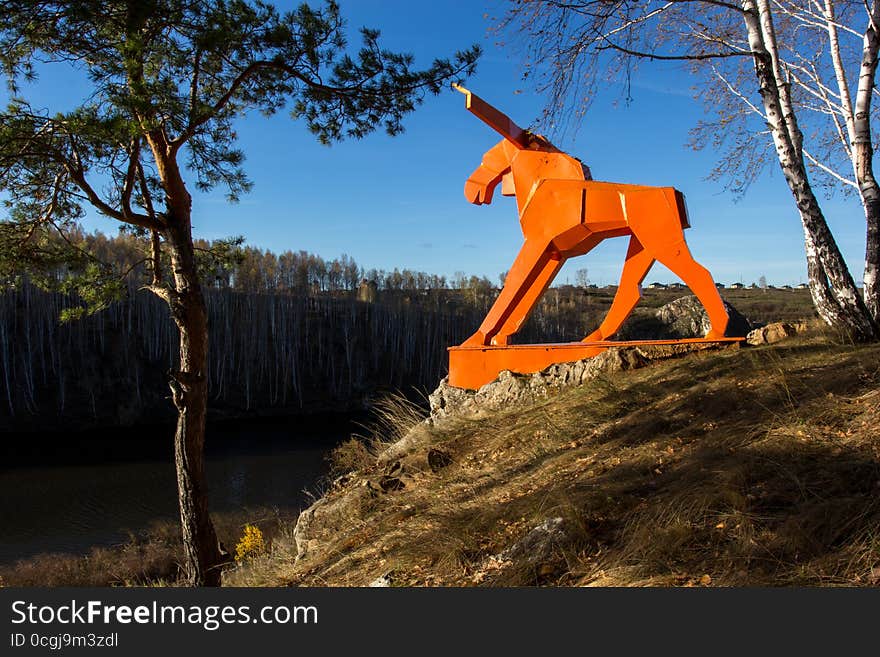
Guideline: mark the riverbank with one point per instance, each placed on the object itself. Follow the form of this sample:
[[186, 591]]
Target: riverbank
[[101, 507], [149, 557], [753, 467]]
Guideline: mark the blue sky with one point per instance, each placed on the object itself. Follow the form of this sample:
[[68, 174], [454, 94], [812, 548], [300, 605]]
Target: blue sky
[[398, 202]]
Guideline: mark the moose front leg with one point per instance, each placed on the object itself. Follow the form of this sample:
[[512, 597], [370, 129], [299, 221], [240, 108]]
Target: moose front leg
[[529, 295], [534, 257]]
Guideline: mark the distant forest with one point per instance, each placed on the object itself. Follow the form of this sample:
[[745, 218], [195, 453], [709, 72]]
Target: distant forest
[[290, 333]]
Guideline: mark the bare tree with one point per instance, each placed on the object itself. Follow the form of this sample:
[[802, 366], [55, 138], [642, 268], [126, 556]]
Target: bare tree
[[777, 79]]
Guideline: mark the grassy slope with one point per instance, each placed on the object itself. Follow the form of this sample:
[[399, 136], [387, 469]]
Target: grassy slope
[[756, 466]]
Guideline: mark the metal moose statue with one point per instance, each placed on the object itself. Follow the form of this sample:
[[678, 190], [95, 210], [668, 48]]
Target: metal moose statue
[[564, 213]]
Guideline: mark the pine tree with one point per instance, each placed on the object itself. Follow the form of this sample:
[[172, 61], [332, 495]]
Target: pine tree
[[169, 78]]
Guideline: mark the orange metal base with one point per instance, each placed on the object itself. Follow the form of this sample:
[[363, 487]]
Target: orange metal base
[[473, 367]]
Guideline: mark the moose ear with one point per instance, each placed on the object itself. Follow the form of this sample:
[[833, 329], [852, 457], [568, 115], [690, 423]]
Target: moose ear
[[507, 187]]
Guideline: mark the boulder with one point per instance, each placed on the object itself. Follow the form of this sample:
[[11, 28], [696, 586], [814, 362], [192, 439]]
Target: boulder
[[683, 318], [775, 332], [511, 388], [686, 318], [447, 400]]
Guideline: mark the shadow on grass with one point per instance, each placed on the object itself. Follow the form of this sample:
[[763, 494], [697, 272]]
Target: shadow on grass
[[746, 470]]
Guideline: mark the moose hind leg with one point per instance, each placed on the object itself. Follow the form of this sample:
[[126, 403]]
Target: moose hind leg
[[532, 260], [656, 221], [635, 268], [680, 261]]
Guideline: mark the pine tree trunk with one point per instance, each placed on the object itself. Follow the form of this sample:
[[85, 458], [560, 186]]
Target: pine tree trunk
[[189, 384], [189, 389]]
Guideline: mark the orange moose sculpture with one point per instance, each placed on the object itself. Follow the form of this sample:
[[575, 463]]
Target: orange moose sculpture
[[564, 213]]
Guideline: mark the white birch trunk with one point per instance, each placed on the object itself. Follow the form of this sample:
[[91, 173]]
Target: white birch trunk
[[863, 163], [837, 299]]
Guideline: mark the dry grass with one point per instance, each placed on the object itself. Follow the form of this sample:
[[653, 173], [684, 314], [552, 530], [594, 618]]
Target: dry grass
[[743, 468], [391, 419]]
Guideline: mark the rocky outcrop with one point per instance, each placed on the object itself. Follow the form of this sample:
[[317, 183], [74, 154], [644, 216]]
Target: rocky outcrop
[[351, 497], [540, 552], [381, 582], [327, 514], [511, 389]]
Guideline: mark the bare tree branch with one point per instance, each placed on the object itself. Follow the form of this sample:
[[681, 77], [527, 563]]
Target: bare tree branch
[[831, 172]]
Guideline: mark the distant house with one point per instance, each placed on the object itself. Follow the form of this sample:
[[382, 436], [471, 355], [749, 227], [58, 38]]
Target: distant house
[[737, 286], [676, 286], [656, 286], [786, 287], [801, 286], [720, 286]]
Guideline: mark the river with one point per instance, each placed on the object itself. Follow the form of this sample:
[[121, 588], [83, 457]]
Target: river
[[67, 493]]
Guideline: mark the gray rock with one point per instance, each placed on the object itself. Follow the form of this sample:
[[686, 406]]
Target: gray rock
[[538, 546], [413, 440], [323, 518], [775, 332], [538, 553], [447, 400], [381, 582], [686, 318], [683, 318]]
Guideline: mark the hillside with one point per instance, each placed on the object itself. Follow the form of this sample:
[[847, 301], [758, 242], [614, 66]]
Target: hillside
[[754, 466]]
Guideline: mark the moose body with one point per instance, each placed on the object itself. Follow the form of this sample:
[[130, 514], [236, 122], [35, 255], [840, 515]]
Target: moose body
[[564, 213]]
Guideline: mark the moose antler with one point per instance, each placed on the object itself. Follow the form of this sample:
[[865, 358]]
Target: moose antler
[[494, 118]]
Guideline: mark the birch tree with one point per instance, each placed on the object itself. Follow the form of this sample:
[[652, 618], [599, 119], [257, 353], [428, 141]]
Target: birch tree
[[168, 79], [790, 81]]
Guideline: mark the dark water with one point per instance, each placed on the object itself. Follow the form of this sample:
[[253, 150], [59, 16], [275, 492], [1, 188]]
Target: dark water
[[69, 493]]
